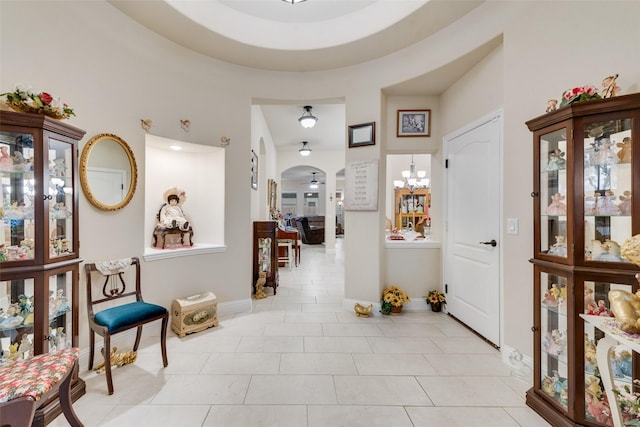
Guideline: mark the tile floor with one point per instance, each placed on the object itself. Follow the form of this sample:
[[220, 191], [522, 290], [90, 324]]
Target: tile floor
[[300, 360]]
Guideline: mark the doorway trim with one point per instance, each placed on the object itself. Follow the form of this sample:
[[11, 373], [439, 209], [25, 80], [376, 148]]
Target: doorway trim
[[492, 116]]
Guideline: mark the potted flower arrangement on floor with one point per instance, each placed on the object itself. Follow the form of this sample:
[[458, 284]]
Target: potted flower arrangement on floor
[[392, 299], [436, 299]]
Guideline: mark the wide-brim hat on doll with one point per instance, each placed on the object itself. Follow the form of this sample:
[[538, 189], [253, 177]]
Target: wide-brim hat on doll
[[175, 191]]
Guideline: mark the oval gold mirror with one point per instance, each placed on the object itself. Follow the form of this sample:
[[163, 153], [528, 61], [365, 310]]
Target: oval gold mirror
[[108, 172]]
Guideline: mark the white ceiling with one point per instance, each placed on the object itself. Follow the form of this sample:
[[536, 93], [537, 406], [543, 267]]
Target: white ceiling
[[307, 36]]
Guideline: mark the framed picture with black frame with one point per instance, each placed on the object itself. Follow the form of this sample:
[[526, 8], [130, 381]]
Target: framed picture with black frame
[[412, 123], [362, 135]]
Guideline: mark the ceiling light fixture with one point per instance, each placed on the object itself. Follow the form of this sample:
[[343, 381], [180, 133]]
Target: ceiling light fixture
[[307, 120], [314, 182], [411, 179], [293, 1], [305, 150]]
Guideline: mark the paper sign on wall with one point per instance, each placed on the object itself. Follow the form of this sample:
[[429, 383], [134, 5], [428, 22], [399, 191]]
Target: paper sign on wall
[[361, 186]]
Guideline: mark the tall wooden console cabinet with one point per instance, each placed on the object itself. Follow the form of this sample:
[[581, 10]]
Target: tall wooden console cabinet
[[586, 204], [265, 252], [39, 255]]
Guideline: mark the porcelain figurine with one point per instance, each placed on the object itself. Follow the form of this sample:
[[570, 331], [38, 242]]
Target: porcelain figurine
[[361, 310], [171, 214], [6, 162], [605, 204], [559, 248], [557, 207], [624, 155], [58, 167], [262, 279], [625, 203], [118, 359], [609, 86], [604, 153], [625, 306], [607, 251], [630, 249], [556, 160]]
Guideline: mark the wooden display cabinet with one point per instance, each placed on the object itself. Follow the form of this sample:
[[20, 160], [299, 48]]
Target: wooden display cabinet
[[411, 207], [586, 156], [39, 255], [265, 253]]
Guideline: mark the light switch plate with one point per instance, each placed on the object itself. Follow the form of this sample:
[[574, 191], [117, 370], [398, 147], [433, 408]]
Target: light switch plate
[[512, 225]]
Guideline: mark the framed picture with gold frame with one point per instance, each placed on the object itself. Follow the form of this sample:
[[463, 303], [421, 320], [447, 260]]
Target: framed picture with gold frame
[[272, 188]]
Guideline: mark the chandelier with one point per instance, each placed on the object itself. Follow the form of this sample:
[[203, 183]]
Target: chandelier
[[307, 120], [412, 179], [305, 150], [314, 182]]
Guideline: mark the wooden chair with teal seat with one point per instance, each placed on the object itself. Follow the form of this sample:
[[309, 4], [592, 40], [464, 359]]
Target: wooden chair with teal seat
[[112, 319]]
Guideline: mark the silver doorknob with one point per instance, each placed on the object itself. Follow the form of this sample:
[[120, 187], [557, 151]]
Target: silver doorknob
[[492, 243]]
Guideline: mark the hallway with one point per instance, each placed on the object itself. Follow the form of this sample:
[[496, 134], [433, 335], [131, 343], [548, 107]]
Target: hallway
[[300, 360]]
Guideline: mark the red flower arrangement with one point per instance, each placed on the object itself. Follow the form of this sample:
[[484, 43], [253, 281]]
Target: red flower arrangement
[[579, 94], [23, 99]]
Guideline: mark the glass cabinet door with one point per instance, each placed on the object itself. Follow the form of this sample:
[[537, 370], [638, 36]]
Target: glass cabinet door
[[596, 302], [553, 193], [17, 210], [17, 318], [60, 322], [554, 373], [607, 188], [60, 198]]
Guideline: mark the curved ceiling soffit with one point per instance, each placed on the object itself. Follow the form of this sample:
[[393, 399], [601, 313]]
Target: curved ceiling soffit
[[419, 21]]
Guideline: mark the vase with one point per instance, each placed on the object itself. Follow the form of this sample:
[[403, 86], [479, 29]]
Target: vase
[[396, 309], [436, 307]]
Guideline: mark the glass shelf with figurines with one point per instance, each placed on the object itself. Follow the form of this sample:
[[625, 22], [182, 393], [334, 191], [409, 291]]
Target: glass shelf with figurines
[[61, 198], [553, 193], [18, 191], [553, 337], [608, 183]]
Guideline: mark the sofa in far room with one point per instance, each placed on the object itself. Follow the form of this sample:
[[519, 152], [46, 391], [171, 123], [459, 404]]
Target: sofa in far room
[[311, 229]]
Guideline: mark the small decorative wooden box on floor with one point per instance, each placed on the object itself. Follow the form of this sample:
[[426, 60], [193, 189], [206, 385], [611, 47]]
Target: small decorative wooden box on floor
[[194, 314]]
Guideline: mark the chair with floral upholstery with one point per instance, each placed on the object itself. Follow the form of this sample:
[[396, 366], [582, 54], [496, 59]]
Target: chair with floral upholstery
[[24, 383], [119, 318]]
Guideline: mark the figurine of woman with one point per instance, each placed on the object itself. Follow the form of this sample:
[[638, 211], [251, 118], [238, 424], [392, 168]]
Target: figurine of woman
[[590, 205], [556, 160], [625, 204], [6, 162], [604, 153], [606, 206], [557, 207], [559, 248]]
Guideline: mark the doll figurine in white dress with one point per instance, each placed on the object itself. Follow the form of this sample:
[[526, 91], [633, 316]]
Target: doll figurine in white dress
[[171, 214]]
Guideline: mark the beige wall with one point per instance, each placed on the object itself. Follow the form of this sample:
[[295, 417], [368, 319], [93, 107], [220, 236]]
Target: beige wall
[[115, 72]]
